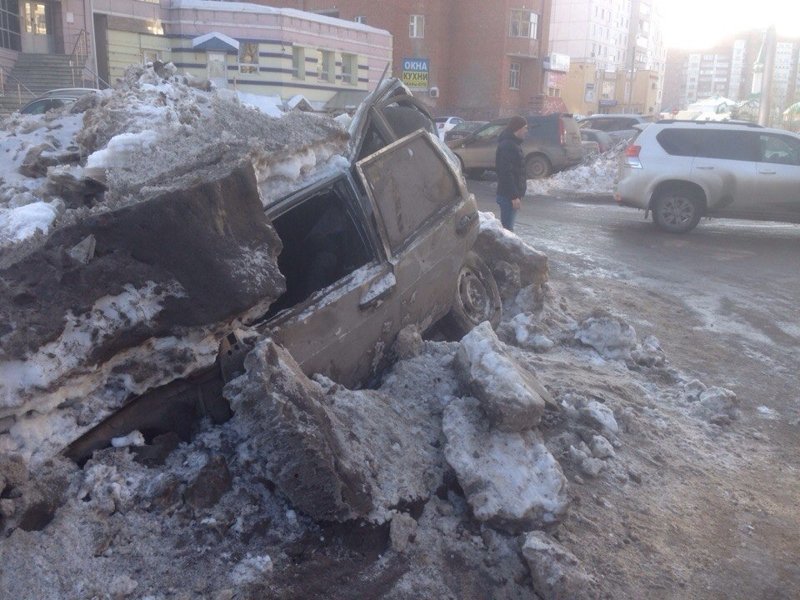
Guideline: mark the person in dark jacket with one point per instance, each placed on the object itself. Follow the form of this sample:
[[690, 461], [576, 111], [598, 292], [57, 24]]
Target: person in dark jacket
[[510, 169]]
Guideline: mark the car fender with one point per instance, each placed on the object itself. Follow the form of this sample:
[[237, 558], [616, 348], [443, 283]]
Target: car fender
[[657, 185]]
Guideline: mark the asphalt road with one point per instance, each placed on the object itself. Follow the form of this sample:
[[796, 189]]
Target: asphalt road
[[723, 299], [724, 302]]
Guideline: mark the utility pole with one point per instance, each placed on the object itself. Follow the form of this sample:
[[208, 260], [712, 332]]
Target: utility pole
[[765, 106]]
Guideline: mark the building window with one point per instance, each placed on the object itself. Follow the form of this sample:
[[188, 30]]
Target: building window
[[524, 23], [9, 25], [554, 92], [416, 26], [327, 65], [513, 76], [248, 57], [350, 68], [360, 19], [298, 62]]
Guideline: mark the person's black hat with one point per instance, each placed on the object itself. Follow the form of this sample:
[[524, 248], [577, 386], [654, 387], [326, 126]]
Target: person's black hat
[[516, 123]]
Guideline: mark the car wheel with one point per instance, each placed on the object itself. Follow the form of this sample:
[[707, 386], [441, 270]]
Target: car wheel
[[676, 211], [537, 167], [477, 298]]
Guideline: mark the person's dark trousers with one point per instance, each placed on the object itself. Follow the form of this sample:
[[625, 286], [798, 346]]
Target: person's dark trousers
[[507, 212]]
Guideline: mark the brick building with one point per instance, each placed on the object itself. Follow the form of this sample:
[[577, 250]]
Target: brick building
[[475, 59]]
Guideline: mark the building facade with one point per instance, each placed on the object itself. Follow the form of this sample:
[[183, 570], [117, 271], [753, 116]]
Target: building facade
[[729, 70], [471, 58], [249, 47], [616, 51]]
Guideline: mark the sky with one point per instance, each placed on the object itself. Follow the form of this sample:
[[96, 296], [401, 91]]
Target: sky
[[695, 24]]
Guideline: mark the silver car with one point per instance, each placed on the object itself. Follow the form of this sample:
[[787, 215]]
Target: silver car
[[685, 170]]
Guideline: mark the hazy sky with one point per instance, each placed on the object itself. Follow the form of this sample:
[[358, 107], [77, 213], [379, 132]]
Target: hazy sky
[[702, 23]]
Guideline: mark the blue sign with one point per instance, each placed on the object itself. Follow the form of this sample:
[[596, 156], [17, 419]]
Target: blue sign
[[415, 73]]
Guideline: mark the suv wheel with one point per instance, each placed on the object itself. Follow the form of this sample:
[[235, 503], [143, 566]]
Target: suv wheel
[[537, 166], [676, 210], [477, 298]]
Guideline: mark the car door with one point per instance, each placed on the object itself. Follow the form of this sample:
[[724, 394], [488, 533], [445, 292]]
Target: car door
[[478, 150], [427, 222], [335, 317], [778, 177], [724, 165]]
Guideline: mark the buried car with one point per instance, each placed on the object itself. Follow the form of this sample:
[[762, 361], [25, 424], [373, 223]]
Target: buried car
[[149, 308]]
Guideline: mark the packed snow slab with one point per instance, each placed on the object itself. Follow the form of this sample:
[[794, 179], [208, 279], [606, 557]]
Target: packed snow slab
[[514, 263], [126, 300], [511, 480], [511, 396], [556, 572], [154, 130], [336, 454]]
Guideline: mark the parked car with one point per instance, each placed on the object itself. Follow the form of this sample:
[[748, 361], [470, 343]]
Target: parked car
[[54, 99], [366, 251], [621, 127], [553, 143], [603, 140], [463, 129], [685, 170], [445, 124]]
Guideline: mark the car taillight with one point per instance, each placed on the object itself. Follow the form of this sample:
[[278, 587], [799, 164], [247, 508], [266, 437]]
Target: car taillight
[[632, 156], [562, 132]]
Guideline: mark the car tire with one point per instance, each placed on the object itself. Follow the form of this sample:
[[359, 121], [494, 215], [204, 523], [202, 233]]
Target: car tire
[[677, 210], [537, 166], [477, 298]]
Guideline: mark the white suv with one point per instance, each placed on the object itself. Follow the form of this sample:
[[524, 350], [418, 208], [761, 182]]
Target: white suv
[[684, 170]]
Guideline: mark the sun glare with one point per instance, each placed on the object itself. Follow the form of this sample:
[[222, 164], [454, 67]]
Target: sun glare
[[697, 24]]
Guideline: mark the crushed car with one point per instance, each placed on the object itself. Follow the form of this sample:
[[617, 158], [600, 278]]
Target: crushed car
[[133, 312]]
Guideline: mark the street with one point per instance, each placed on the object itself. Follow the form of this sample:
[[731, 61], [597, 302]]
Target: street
[[723, 302]]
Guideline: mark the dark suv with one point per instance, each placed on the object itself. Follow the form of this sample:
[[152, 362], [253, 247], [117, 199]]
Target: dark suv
[[553, 144]]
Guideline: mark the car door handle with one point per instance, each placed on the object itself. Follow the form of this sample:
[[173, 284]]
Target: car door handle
[[768, 172], [705, 168], [378, 292]]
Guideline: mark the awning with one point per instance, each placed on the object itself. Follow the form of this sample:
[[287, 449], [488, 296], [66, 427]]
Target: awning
[[346, 99], [215, 42]]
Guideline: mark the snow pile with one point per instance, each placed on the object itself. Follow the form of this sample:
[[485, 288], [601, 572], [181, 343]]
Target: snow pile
[[154, 129], [510, 478], [597, 175]]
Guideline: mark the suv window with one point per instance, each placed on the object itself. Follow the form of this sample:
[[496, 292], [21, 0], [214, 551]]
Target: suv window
[[721, 144], [779, 149]]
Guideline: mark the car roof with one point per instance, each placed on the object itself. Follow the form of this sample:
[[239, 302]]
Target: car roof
[[67, 92]]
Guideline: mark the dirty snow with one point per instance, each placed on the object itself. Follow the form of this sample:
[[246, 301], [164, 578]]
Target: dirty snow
[[205, 518], [597, 175], [156, 126]]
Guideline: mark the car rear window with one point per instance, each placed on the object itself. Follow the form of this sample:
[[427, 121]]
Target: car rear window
[[709, 143]]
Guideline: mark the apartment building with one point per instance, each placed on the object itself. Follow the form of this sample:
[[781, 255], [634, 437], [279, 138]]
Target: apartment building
[[729, 69], [475, 59], [616, 51], [253, 48]]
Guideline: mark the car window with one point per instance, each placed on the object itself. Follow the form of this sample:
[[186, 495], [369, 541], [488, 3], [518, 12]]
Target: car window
[[39, 107], [324, 239], [707, 143], [490, 131], [779, 149], [602, 124], [728, 145], [402, 117], [408, 184]]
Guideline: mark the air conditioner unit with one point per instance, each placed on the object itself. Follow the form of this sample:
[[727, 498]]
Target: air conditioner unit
[[434, 92]]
